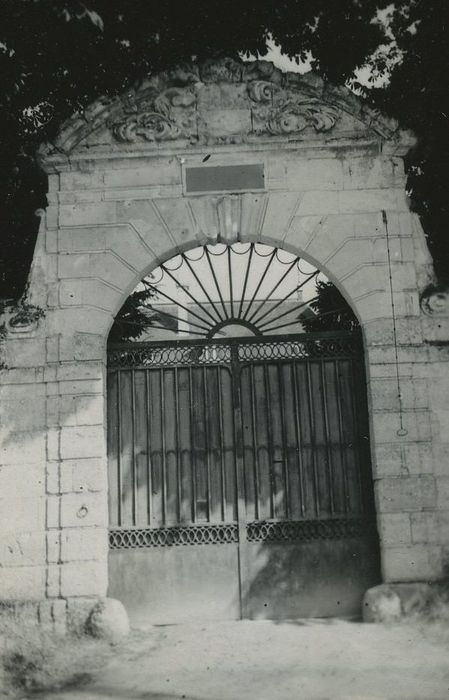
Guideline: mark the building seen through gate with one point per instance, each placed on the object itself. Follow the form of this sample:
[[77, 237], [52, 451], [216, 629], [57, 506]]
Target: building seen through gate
[[185, 426]]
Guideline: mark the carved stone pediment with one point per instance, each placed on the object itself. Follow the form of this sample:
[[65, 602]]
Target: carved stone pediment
[[223, 101]]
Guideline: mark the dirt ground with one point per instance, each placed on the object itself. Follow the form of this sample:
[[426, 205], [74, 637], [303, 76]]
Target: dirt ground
[[301, 660]]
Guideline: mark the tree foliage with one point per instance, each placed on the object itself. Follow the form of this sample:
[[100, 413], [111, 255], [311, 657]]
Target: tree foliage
[[56, 56], [332, 311]]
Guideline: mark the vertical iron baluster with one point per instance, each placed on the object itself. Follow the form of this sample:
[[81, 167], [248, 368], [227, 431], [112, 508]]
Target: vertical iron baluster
[[133, 443], [266, 383], [202, 287], [178, 461], [163, 455], [284, 441], [268, 296], [313, 441], [222, 447], [330, 466], [231, 291], [119, 447], [343, 456], [262, 277], [298, 439], [206, 437], [192, 446], [214, 276], [245, 282], [357, 436], [255, 447], [149, 460]]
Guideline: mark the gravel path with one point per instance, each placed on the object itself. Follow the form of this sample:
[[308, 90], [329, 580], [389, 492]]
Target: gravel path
[[309, 660]]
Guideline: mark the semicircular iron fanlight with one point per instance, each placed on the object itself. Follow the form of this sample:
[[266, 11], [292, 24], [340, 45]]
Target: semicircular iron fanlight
[[221, 291]]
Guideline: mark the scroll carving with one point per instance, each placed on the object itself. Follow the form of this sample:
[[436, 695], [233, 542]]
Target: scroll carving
[[167, 112]]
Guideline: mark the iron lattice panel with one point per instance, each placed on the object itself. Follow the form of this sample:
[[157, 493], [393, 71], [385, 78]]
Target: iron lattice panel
[[172, 536], [306, 530], [198, 354], [169, 356], [299, 349]]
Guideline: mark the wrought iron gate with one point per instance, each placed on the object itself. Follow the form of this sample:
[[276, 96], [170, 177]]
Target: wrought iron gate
[[257, 449]]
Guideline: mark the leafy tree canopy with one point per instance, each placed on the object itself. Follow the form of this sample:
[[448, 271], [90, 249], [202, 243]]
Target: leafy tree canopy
[[56, 56]]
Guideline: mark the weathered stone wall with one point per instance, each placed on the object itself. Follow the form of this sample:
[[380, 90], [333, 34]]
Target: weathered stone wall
[[113, 214]]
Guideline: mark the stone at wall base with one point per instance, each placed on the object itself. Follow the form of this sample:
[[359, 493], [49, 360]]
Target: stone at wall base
[[389, 602], [108, 620]]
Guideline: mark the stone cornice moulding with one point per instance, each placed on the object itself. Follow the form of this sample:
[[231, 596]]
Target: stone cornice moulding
[[223, 102]]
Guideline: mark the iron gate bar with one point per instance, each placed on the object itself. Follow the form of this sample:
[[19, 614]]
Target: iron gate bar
[[298, 434], [133, 442], [343, 457], [284, 441], [177, 303], [178, 461], [216, 282], [221, 437], [163, 451], [207, 446], [231, 291], [203, 289], [330, 470], [278, 283], [271, 258], [266, 381], [245, 282], [281, 301], [313, 441], [255, 442], [192, 447], [149, 459], [119, 451], [202, 307]]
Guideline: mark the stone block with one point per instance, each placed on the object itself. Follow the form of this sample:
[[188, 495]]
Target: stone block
[[84, 510], [54, 546], [319, 203], [81, 475], [442, 486], [78, 613], [80, 370], [19, 481], [425, 528], [23, 447], [22, 583], [22, 549], [368, 173], [381, 604], [109, 620], [84, 578], [394, 528], [160, 172], [403, 459], [53, 511], [391, 601], [84, 544], [371, 200], [82, 441], [314, 174], [24, 352], [386, 425], [409, 564], [22, 514], [406, 494], [85, 214], [53, 580], [384, 394], [88, 292], [82, 410]]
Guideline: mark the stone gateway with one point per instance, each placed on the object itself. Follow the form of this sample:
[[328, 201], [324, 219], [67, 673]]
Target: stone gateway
[[232, 154]]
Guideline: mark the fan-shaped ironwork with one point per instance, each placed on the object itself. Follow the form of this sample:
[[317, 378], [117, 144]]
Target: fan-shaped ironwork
[[229, 290]]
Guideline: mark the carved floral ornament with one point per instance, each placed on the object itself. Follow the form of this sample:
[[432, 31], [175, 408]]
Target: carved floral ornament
[[176, 114], [222, 101]]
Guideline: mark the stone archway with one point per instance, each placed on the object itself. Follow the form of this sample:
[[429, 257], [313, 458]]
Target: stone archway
[[129, 185]]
